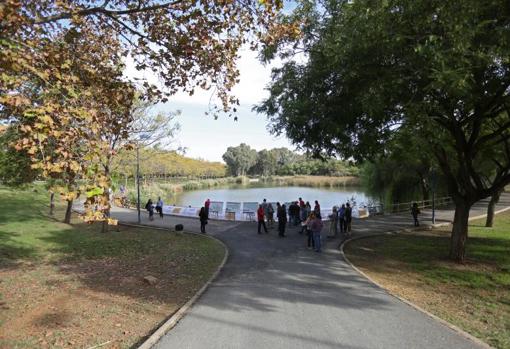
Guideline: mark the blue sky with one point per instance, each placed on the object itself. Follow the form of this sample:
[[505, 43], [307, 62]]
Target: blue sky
[[207, 138]]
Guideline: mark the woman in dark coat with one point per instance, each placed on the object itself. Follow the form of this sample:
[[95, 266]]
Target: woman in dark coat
[[150, 207], [203, 219], [282, 219]]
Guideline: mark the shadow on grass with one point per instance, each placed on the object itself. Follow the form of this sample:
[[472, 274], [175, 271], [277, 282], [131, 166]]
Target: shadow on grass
[[12, 252]]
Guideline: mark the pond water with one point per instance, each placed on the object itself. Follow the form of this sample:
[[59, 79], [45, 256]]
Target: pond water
[[327, 197]]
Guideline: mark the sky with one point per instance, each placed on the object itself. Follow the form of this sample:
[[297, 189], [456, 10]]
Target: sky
[[207, 138]]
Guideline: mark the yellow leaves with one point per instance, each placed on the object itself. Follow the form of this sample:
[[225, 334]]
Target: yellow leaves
[[68, 196], [32, 150], [55, 168]]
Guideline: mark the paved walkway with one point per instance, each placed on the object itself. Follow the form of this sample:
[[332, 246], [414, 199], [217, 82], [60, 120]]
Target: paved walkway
[[275, 293]]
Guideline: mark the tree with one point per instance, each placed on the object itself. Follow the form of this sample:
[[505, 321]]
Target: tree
[[240, 159], [15, 167], [186, 43], [62, 100], [490, 208], [265, 164], [440, 68]]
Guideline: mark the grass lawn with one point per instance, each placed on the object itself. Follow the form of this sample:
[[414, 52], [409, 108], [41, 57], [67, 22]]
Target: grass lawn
[[474, 296], [69, 286]]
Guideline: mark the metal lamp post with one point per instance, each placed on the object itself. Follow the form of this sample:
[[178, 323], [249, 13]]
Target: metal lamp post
[[433, 182], [143, 137], [138, 182]]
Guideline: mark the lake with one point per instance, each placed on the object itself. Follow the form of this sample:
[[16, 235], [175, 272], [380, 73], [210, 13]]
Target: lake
[[327, 197]]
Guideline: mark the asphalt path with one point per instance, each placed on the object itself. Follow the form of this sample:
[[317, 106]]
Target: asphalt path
[[275, 293]]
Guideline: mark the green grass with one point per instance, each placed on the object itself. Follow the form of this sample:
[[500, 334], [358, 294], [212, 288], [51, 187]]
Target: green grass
[[28, 233], [43, 261], [474, 295]]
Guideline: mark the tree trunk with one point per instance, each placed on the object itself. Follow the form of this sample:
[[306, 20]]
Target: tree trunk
[[69, 211], [490, 209], [52, 203], [424, 187], [104, 227], [459, 231]]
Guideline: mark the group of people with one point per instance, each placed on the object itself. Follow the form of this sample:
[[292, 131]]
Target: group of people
[[298, 212], [311, 222], [149, 206]]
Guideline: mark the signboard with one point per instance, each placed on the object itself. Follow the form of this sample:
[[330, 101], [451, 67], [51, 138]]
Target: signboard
[[190, 211], [250, 207], [233, 207], [216, 206]]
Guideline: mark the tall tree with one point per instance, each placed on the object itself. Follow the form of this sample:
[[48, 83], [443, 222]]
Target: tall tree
[[59, 97], [186, 43], [265, 164], [442, 68], [240, 159]]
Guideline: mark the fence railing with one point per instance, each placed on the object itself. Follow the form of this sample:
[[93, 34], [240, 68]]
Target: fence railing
[[406, 206]]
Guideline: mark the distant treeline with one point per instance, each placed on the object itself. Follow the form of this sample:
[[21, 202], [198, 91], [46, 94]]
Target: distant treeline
[[243, 160], [164, 164]]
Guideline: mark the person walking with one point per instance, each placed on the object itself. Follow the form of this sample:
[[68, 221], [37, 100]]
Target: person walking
[[341, 219], [203, 219], [207, 204], [149, 206], [281, 213], [317, 209], [260, 219], [348, 218], [159, 207], [270, 215], [415, 211], [316, 228]]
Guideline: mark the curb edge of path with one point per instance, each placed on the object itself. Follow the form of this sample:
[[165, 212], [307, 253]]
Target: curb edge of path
[[409, 303], [179, 314]]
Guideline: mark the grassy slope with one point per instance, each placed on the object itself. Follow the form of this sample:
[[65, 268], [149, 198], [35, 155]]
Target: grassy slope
[[36, 251], [474, 296]]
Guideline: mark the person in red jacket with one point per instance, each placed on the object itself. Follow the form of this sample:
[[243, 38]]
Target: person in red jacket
[[206, 207], [260, 218]]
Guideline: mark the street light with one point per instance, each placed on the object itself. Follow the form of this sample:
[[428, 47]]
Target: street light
[[138, 182], [433, 184], [143, 137]]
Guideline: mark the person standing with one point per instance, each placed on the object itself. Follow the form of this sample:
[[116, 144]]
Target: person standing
[[317, 210], [294, 213], [308, 209], [309, 220], [150, 208], [302, 210], [415, 211], [206, 207], [159, 207], [281, 213], [316, 228], [341, 219], [333, 221], [348, 218], [270, 215], [260, 219], [203, 219]]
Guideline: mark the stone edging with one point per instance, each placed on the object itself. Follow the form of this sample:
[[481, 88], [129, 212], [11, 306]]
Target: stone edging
[[179, 314], [416, 307]]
